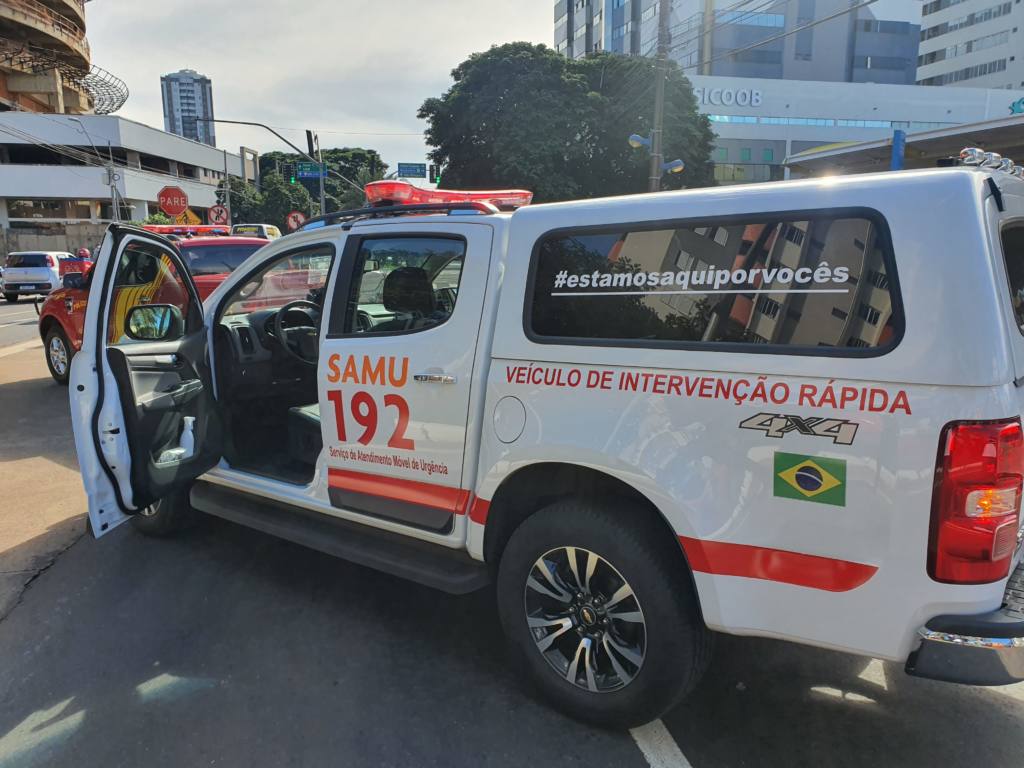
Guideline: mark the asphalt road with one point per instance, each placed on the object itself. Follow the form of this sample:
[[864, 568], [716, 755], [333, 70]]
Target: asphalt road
[[17, 322], [226, 647]]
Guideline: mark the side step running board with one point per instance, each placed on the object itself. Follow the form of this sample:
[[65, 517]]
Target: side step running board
[[449, 570]]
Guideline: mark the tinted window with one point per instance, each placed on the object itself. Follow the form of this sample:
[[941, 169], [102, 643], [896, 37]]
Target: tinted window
[[815, 282], [215, 259], [1013, 253], [27, 260], [401, 285]]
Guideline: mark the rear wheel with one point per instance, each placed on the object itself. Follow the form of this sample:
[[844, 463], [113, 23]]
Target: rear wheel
[[601, 613], [166, 516], [58, 355], [12, 297]]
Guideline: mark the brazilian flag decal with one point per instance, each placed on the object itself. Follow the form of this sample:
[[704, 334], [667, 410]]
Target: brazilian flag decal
[[810, 478]]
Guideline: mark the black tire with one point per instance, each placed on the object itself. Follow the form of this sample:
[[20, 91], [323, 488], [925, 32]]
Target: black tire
[[12, 297], [60, 373], [677, 645], [165, 517]]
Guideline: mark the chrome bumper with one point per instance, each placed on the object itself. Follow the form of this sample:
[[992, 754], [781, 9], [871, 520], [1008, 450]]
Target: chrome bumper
[[977, 650]]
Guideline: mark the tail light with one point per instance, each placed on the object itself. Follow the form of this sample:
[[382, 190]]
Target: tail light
[[976, 502], [51, 260]]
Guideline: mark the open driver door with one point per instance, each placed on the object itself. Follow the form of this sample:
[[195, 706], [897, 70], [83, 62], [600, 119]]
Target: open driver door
[[142, 405]]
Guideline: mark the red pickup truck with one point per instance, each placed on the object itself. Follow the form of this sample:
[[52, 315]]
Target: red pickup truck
[[210, 260]]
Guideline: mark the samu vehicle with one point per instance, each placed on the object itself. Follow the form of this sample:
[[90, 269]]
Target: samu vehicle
[[791, 411]]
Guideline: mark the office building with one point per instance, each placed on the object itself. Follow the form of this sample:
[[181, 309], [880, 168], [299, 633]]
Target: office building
[[854, 47], [45, 61], [188, 103], [975, 43], [760, 122], [47, 192]]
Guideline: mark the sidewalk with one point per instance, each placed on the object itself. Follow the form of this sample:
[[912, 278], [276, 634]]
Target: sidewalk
[[42, 503]]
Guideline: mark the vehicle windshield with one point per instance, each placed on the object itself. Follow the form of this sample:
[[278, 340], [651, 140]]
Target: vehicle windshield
[[215, 259], [299, 276], [27, 260]]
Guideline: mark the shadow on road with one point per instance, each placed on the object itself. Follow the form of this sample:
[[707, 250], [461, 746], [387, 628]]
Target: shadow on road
[[228, 647], [769, 703]]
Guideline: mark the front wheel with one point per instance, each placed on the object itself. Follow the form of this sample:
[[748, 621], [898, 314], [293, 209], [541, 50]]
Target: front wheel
[[12, 297], [601, 614], [58, 356], [166, 516]]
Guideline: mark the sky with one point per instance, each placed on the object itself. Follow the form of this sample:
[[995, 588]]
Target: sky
[[354, 70]]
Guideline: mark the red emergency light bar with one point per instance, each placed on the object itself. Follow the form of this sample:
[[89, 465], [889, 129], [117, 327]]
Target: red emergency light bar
[[404, 193]]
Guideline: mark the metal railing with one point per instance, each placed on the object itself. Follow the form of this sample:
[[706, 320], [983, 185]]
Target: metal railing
[[61, 25]]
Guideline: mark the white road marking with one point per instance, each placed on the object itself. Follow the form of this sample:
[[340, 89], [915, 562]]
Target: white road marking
[[19, 314], [19, 322], [658, 746], [16, 348]]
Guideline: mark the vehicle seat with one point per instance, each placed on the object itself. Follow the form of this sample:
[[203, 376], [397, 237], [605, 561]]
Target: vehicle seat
[[305, 440], [408, 292]]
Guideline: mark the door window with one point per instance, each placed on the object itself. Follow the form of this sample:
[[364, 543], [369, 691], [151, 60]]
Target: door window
[[401, 285], [146, 274]]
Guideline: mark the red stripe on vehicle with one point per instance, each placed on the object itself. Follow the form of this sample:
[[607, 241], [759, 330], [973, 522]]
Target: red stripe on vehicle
[[478, 509], [724, 559], [410, 491]]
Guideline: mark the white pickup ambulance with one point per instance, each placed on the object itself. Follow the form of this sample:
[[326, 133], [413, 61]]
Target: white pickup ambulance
[[790, 410]]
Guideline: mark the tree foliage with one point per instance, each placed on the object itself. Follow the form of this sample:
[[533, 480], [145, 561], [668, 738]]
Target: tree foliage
[[269, 205], [158, 218], [354, 163], [523, 115]]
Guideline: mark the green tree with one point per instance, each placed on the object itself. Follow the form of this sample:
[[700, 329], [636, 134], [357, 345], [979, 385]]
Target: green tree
[[355, 163], [158, 218], [523, 115], [281, 198], [246, 202]]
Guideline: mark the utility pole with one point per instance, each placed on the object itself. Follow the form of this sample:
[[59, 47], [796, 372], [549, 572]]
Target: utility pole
[[227, 188], [706, 50], [313, 140], [660, 76]]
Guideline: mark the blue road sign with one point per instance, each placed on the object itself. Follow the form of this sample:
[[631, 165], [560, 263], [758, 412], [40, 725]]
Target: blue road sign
[[412, 170], [308, 170]]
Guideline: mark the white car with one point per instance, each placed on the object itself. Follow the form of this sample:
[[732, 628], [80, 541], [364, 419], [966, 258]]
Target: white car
[[791, 410], [31, 273]]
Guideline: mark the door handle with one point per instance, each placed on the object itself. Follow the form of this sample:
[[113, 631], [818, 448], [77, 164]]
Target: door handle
[[433, 378]]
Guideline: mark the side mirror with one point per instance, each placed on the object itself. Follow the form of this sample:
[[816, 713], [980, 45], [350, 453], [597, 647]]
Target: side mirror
[[154, 322], [73, 280], [370, 265]]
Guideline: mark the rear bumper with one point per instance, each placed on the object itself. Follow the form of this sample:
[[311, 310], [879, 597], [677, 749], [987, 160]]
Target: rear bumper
[[978, 650], [22, 289]]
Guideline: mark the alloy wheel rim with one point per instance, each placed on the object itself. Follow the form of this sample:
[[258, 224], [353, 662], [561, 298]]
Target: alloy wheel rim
[[585, 619], [58, 356]]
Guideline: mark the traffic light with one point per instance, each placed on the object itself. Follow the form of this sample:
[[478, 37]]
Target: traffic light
[[435, 174], [290, 173]]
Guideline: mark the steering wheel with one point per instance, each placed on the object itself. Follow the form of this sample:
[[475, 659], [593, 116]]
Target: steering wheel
[[300, 341]]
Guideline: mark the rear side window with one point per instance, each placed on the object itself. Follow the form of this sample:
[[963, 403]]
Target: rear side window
[[27, 260], [215, 259], [813, 282], [1013, 253]]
